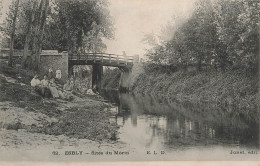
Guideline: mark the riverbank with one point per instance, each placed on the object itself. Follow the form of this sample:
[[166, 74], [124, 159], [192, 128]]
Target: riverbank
[[234, 90], [28, 120]]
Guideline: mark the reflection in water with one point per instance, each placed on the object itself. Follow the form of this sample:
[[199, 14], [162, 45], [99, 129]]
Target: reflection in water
[[155, 123]]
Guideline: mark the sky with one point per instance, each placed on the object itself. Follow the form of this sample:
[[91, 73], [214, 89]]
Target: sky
[[135, 18], [5, 9]]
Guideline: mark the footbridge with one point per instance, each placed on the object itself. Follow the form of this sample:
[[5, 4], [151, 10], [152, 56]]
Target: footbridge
[[98, 60], [64, 61]]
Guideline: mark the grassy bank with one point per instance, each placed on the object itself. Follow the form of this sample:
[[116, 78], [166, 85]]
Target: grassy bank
[[22, 108], [234, 90]]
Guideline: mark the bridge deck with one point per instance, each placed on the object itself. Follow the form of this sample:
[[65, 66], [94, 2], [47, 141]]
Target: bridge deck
[[103, 58]]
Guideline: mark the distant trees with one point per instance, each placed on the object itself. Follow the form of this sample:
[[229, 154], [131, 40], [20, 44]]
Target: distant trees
[[64, 25], [220, 34]]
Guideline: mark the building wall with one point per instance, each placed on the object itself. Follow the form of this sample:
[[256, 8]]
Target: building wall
[[58, 61], [4, 53], [49, 58]]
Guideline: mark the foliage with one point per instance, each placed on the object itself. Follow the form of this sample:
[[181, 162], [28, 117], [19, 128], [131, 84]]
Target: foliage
[[78, 25], [64, 25], [111, 78], [219, 34]]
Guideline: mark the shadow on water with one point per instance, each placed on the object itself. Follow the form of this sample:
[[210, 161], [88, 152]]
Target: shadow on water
[[155, 122]]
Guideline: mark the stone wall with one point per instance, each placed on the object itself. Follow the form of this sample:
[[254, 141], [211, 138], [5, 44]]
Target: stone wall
[[49, 58], [4, 53], [56, 61]]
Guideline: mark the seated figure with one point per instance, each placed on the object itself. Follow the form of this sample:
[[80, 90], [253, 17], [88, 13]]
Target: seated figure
[[67, 90], [45, 87], [67, 86], [53, 89], [36, 84], [35, 81]]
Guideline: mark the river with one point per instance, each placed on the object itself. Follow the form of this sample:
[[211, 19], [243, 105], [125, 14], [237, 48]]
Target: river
[[185, 131]]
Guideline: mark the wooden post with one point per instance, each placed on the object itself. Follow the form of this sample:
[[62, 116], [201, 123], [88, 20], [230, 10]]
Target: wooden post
[[97, 77], [101, 58], [117, 59], [94, 57], [70, 69], [94, 76], [109, 58]]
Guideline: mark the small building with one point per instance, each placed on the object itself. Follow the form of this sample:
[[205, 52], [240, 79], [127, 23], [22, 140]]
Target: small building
[[58, 62]]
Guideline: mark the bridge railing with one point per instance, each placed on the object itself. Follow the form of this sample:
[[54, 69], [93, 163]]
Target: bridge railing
[[103, 58]]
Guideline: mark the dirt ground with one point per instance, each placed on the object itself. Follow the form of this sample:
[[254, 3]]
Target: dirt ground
[[29, 121]]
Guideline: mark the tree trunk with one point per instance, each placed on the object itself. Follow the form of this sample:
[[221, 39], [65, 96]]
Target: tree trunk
[[39, 24], [42, 25], [28, 34], [10, 62], [35, 41]]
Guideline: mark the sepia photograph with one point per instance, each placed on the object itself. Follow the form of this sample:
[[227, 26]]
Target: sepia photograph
[[129, 80]]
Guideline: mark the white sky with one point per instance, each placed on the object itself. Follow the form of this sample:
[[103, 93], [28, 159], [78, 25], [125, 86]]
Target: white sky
[[134, 18]]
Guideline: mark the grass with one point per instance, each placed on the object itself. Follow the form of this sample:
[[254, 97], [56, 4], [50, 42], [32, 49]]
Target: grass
[[234, 90]]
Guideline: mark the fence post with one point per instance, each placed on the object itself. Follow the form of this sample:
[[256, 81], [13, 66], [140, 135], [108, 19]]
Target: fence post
[[109, 58], [117, 59]]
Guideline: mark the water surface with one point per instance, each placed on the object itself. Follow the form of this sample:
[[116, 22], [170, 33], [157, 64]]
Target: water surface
[[198, 131]]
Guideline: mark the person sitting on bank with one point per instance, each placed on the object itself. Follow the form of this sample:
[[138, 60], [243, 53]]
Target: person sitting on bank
[[50, 73], [66, 93], [45, 86], [67, 86], [36, 83], [71, 85], [53, 88]]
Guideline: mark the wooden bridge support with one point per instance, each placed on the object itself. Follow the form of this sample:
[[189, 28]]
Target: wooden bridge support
[[97, 76], [98, 60], [70, 70], [124, 80]]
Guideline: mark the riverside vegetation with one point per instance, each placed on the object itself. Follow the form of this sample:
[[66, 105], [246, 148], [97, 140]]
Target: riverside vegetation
[[211, 57]]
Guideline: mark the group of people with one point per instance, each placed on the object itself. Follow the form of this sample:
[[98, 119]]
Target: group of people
[[48, 88], [77, 85]]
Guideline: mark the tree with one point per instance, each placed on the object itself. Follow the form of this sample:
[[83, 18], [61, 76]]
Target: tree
[[15, 11], [1, 7], [30, 12], [37, 30], [1, 26], [67, 25], [238, 29], [218, 34], [92, 41], [79, 25]]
